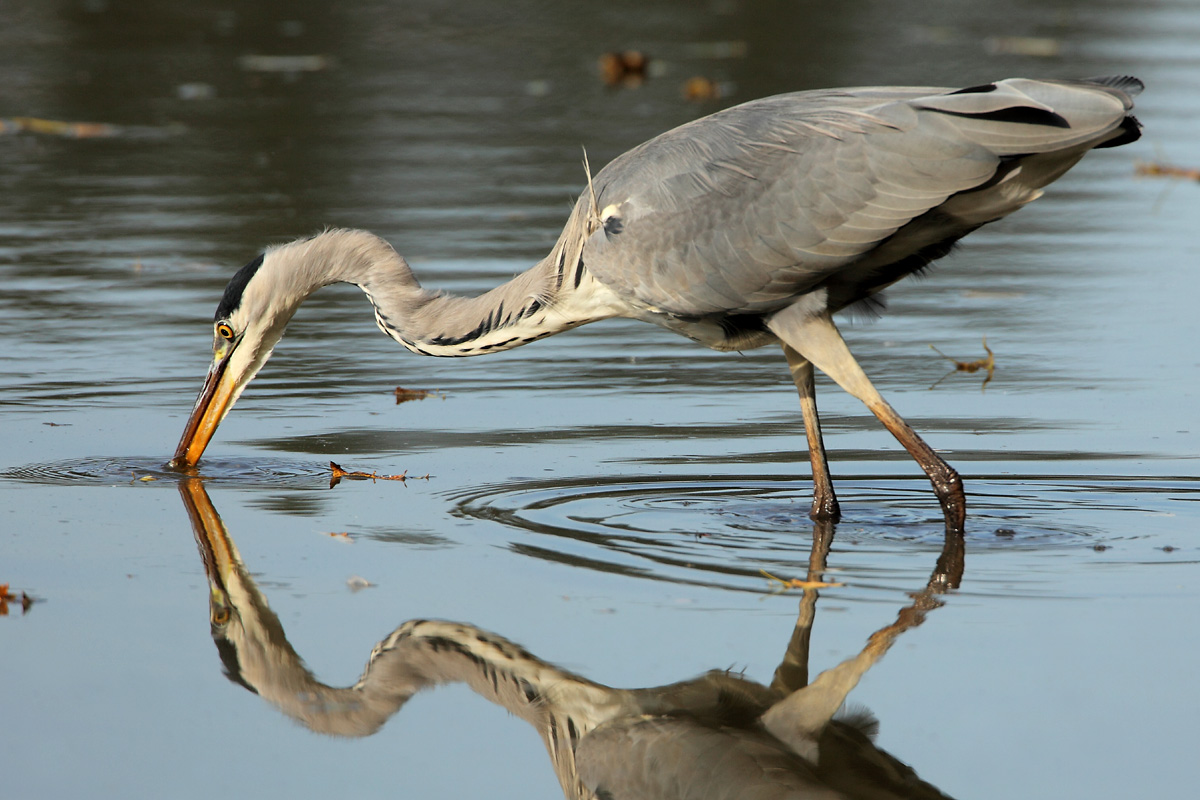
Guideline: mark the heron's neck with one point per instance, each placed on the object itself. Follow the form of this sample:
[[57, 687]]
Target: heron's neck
[[555, 295]]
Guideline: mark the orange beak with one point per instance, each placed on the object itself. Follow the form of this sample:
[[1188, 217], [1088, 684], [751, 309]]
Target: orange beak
[[214, 402]]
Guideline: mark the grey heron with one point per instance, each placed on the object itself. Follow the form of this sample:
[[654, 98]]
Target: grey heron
[[748, 227], [719, 735]]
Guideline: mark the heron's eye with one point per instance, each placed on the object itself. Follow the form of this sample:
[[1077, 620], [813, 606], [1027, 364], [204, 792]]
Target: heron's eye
[[225, 331]]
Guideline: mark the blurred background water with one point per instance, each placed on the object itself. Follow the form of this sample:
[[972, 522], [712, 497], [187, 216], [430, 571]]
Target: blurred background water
[[607, 497]]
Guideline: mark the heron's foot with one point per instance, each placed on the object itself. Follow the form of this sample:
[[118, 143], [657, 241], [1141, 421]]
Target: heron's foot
[[825, 508], [948, 487]]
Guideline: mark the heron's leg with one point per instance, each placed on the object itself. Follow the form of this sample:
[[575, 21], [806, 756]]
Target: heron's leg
[[816, 338], [824, 502]]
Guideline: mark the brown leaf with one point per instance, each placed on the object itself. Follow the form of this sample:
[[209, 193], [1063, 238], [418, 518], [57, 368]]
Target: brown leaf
[[1167, 171], [357, 475], [404, 395], [987, 363]]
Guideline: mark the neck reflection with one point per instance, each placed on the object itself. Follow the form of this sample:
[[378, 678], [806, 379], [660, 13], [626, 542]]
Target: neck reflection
[[602, 741]]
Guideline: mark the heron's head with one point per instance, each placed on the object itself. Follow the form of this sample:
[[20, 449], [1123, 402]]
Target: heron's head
[[254, 310]]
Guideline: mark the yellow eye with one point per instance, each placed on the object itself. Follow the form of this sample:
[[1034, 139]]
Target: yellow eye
[[225, 331]]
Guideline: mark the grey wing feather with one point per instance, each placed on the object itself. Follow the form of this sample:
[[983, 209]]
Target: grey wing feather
[[674, 758], [748, 208]]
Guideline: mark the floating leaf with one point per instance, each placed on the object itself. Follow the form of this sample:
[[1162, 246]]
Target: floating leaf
[[337, 473], [404, 395], [987, 363], [624, 68], [1166, 171]]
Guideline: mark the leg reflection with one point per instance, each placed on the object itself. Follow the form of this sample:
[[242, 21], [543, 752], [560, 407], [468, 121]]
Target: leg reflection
[[603, 742]]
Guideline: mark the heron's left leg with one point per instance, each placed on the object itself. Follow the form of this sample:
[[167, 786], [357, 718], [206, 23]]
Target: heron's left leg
[[824, 502], [814, 336]]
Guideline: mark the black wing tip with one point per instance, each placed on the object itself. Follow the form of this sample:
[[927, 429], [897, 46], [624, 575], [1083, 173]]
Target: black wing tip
[[1021, 115], [1130, 130], [982, 88], [1126, 83]]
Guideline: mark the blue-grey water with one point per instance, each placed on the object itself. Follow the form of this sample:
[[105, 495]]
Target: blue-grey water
[[606, 497]]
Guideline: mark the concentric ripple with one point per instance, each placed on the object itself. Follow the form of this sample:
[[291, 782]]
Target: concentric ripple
[[723, 531], [101, 471]]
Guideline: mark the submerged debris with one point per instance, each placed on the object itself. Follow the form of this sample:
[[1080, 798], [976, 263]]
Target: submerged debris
[[338, 473], [987, 363]]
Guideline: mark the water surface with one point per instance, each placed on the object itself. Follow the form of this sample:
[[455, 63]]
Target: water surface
[[607, 497]]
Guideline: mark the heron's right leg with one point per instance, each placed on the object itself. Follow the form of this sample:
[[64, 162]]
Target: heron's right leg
[[814, 336], [824, 502]]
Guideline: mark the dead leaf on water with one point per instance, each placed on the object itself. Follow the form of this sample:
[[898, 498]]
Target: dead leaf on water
[[987, 363], [699, 89], [337, 473], [54, 127], [624, 68], [285, 64], [1166, 171], [1036, 46], [6, 597], [404, 395]]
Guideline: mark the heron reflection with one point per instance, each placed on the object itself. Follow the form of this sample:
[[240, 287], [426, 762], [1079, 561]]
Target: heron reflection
[[716, 736]]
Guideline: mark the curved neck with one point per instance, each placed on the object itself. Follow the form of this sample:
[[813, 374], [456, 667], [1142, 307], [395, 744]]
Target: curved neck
[[554, 295]]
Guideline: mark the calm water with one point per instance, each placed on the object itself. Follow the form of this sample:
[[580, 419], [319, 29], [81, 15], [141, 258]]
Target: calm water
[[607, 497]]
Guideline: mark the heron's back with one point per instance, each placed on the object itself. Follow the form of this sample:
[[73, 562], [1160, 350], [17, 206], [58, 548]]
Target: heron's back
[[745, 210]]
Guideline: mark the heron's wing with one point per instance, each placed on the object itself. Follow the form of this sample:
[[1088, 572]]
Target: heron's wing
[[674, 758], [749, 207]]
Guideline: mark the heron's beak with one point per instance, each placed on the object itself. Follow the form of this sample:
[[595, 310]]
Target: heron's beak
[[214, 402]]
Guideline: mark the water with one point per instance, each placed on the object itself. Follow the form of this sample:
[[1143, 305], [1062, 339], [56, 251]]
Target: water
[[607, 497]]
